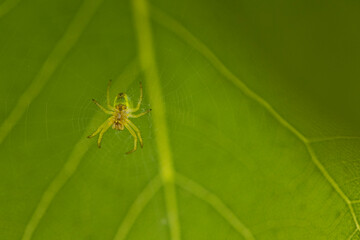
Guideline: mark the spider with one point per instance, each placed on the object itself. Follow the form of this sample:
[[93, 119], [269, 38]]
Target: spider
[[120, 114]]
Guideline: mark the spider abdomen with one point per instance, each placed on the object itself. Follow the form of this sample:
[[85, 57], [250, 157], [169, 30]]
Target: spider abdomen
[[118, 126]]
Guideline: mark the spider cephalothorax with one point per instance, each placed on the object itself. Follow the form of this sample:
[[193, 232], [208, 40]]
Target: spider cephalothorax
[[121, 107], [120, 117]]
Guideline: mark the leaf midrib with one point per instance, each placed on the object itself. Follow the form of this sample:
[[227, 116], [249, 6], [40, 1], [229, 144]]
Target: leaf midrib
[[148, 63]]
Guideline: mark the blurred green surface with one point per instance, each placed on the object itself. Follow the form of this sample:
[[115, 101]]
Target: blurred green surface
[[280, 164]]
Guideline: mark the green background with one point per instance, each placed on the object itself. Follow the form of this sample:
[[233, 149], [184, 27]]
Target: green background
[[255, 104]]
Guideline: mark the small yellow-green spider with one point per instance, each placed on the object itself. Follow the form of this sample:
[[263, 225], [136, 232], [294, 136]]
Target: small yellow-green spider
[[120, 114]]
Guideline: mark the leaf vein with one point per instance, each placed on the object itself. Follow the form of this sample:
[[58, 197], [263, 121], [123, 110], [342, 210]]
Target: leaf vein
[[71, 165], [214, 201], [353, 234], [137, 207], [171, 24], [58, 54]]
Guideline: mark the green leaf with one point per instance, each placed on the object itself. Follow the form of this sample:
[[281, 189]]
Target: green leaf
[[254, 131]]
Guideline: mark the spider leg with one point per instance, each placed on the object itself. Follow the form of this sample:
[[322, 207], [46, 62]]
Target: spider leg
[[139, 102], [136, 130], [140, 114], [126, 100], [102, 108], [134, 135], [106, 127], [108, 95], [99, 128]]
